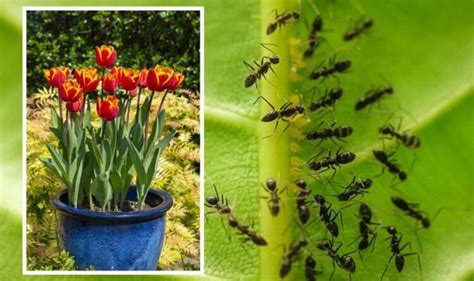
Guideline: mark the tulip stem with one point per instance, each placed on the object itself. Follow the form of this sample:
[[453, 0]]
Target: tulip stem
[[60, 107], [147, 118], [161, 103], [138, 104], [102, 137], [128, 107]]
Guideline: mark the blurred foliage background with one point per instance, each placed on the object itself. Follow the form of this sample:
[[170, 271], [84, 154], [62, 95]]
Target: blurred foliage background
[[179, 171], [142, 39]]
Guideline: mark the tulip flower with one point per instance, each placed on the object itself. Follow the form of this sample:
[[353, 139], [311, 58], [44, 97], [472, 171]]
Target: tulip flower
[[56, 76], [129, 79], [70, 91], [175, 81], [75, 106], [108, 108], [142, 78], [158, 77], [105, 56], [87, 78], [109, 83], [118, 72]]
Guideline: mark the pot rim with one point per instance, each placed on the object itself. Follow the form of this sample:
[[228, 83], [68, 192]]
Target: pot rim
[[149, 214]]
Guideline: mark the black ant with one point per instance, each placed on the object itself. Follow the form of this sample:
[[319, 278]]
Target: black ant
[[309, 271], [372, 96], [218, 202], [365, 214], [406, 139], [392, 166], [313, 39], [282, 19], [396, 250], [332, 163], [327, 215], [260, 69], [286, 112], [328, 100], [358, 29], [289, 258], [332, 68], [356, 187], [411, 209], [274, 200], [303, 210], [245, 230], [339, 133], [346, 262]]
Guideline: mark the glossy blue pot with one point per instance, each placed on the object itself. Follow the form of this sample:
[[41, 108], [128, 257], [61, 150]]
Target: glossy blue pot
[[114, 240]]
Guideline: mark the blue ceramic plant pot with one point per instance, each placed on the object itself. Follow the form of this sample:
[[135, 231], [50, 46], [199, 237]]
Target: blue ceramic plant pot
[[114, 240]]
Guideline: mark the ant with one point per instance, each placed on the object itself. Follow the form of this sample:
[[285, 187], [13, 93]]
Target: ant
[[358, 29], [346, 262], [411, 209], [332, 68], [330, 133], [261, 69], [286, 112], [355, 188], [332, 163], [328, 100], [313, 39], [396, 250], [289, 258], [372, 96], [245, 230], [365, 214], [282, 19], [303, 210], [218, 202], [274, 200], [406, 139], [327, 215], [392, 166], [309, 271]]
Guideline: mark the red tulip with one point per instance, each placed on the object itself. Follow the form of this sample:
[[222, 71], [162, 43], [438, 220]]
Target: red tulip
[[109, 83], [56, 76], [108, 108], [75, 106], [133, 93], [105, 56], [175, 81], [130, 79], [158, 77], [70, 91], [118, 72], [142, 78], [87, 78]]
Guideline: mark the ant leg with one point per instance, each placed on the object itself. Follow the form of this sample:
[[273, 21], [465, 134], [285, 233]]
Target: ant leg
[[386, 267], [249, 66], [372, 241], [333, 270], [339, 150], [269, 104], [412, 254]]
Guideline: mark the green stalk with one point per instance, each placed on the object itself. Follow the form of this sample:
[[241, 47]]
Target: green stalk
[[274, 154]]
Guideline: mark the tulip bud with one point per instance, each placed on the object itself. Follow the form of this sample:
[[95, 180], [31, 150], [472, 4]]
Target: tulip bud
[[175, 81], [70, 91], [109, 83], [56, 76], [108, 108], [75, 106], [129, 79], [158, 77], [142, 78], [105, 56], [87, 78]]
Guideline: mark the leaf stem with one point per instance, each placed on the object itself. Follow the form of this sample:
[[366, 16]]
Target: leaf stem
[[274, 154]]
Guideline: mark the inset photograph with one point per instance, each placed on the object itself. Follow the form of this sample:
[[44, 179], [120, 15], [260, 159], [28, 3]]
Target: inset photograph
[[113, 133]]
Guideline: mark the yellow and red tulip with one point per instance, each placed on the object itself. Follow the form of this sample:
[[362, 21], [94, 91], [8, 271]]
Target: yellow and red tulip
[[129, 80], [70, 91], [87, 78], [175, 81], [158, 77], [56, 76], [142, 78], [118, 72], [108, 108], [105, 56], [109, 83]]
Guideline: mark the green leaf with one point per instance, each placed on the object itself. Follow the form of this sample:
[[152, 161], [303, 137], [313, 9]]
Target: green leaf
[[157, 128], [101, 189], [137, 163]]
